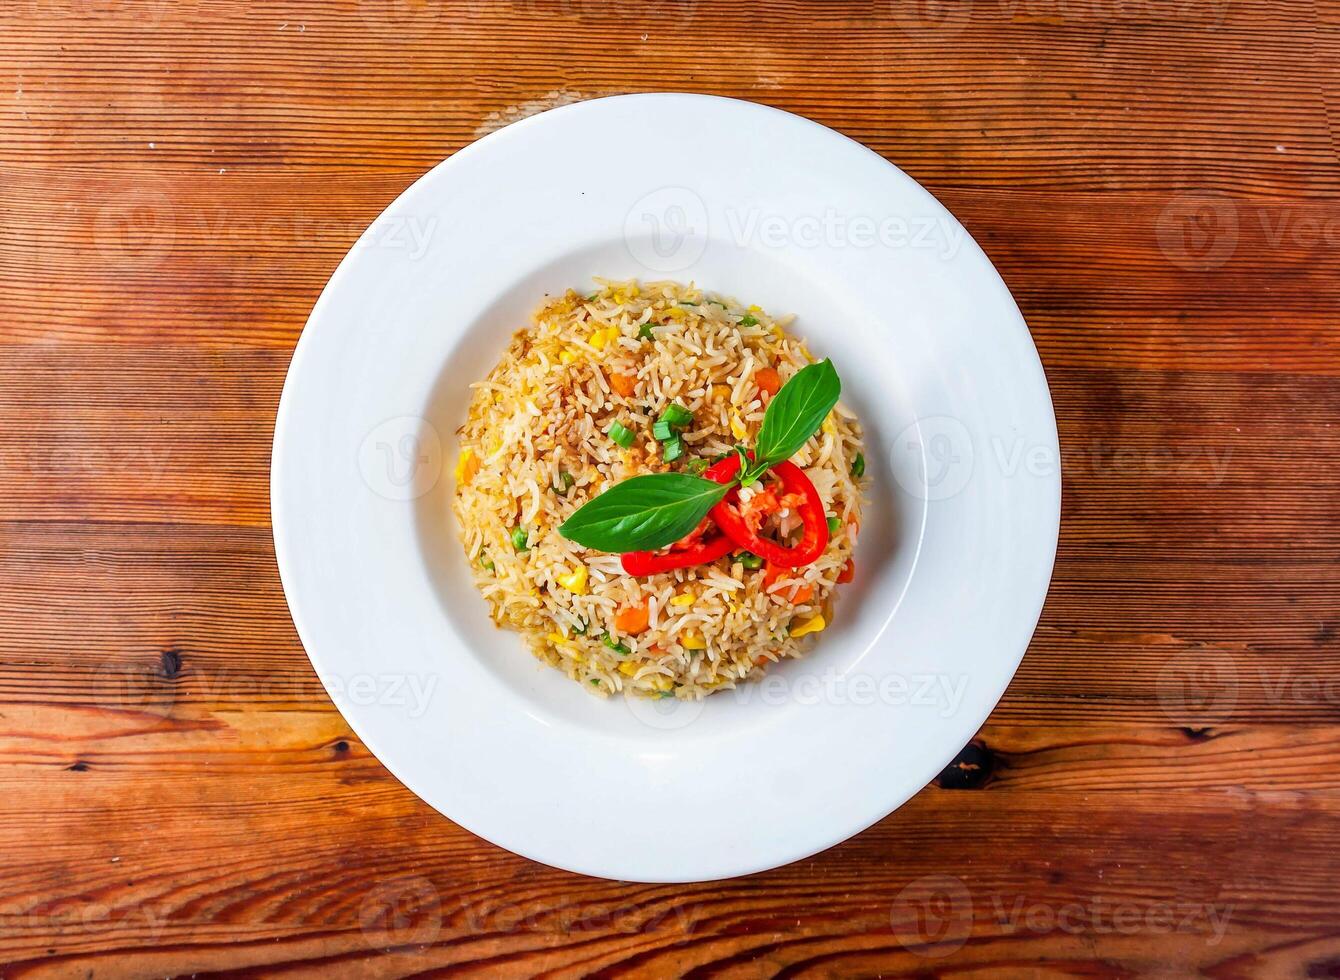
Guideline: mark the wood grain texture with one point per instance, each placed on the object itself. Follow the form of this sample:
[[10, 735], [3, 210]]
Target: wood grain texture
[[1159, 790]]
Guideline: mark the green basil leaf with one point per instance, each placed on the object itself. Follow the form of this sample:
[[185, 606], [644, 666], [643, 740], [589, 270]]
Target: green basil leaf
[[796, 412], [644, 513]]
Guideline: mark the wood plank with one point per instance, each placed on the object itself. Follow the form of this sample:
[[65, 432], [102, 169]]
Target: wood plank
[[1158, 790]]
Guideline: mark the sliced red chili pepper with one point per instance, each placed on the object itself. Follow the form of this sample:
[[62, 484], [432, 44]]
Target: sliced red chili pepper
[[724, 470], [652, 563], [814, 522], [699, 553]]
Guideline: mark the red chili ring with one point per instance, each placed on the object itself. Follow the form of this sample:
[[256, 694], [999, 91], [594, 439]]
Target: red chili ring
[[652, 563], [814, 523], [718, 546]]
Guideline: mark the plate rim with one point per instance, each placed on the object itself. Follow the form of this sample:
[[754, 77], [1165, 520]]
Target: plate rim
[[283, 421]]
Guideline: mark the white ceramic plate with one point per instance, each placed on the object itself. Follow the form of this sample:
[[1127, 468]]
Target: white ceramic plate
[[954, 557]]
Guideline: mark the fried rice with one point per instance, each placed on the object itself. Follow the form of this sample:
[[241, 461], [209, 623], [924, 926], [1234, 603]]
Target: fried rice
[[534, 449]]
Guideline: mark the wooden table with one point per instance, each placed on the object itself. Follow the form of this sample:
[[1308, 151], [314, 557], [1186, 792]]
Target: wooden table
[[1156, 180]]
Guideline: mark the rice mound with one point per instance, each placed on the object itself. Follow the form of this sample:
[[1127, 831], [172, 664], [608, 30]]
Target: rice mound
[[534, 450]]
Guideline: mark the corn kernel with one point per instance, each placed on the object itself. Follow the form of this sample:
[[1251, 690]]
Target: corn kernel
[[828, 427], [814, 625], [556, 638], [737, 427], [683, 599], [661, 683], [567, 357], [576, 581], [627, 669], [466, 467], [693, 641], [599, 339]]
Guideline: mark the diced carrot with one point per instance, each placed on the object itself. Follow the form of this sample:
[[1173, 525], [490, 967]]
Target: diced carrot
[[804, 593], [848, 572], [623, 384], [768, 380], [633, 619]]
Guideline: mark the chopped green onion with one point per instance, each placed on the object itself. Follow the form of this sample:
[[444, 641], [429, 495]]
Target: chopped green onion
[[858, 466], [519, 537], [580, 628], [749, 320], [696, 465], [620, 435], [486, 563], [594, 681], [672, 449], [684, 302], [718, 303], [644, 331], [615, 645], [665, 694], [676, 415], [749, 560], [662, 431], [567, 479], [834, 525]]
